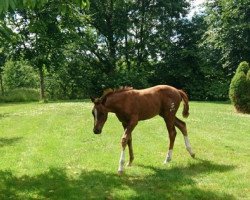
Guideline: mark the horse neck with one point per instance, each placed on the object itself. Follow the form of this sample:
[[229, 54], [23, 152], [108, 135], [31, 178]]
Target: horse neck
[[113, 101]]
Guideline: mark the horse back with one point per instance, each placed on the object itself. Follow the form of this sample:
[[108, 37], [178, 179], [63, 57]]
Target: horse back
[[157, 100], [145, 103]]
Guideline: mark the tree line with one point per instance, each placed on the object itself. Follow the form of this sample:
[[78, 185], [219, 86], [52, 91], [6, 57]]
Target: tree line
[[72, 49]]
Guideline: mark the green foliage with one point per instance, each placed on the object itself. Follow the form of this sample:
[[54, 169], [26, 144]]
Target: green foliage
[[239, 91], [243, 67], [217, 89], [228, 23], [19, 74], [114, 43], [7, 5], [40, 26], [248, 77], [138, 38], [75, 80], [20, 95]]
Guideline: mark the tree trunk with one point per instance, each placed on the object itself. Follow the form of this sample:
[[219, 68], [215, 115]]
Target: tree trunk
[[1, 85], [127, 52], [126, 42], [42, 85], [111, 40], [141, 34]]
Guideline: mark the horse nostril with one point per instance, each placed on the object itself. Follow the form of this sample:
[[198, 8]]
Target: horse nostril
[[96, 131]]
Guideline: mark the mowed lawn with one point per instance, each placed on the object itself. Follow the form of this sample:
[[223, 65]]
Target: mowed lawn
[[48, 151]]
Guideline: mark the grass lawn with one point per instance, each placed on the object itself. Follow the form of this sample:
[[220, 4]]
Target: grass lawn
[[48, 151]]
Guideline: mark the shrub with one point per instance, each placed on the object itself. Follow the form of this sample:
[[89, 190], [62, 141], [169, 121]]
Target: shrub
[[20, 95], [19, 74], [239, 91], [217, 90]]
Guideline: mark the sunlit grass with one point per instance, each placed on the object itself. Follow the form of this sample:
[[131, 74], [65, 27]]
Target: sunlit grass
[[48, 151]]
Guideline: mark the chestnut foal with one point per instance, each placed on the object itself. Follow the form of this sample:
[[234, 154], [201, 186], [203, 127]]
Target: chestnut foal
[[131, 106]]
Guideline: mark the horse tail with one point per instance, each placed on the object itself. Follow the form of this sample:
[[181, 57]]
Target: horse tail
[[184, 97]]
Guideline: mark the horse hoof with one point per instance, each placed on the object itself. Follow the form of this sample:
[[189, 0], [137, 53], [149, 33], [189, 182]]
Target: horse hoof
[[129, 164], [166, 162], [193, 155], [120, 173], [168, 159]]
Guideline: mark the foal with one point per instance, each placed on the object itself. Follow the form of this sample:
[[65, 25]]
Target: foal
[[131, 106]]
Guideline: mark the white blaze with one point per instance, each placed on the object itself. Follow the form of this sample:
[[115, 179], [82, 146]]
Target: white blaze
[[95, 113]]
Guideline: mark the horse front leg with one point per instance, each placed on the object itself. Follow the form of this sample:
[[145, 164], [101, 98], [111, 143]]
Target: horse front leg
[[130, 146], [126, 140], [131, 153], [122, 156]]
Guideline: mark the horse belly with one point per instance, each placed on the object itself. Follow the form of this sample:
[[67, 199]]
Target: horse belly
[[147, 116]]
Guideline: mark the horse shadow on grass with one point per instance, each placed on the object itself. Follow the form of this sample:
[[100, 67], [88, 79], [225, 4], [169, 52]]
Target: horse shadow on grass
[[162, 183]]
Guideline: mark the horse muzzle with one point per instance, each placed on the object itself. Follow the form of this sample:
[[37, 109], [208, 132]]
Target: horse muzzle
[[97, 131]]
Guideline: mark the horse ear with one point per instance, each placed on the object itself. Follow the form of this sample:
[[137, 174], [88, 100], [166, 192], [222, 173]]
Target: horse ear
[[92, 99], [103, 100]]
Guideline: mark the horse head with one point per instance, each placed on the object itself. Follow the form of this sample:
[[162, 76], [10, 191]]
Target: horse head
[[99, 113]]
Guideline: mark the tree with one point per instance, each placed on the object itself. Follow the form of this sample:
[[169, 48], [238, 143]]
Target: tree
[[2, 61], [19, 75], [239, 92], [7, 37], [119, 42], [131, 35], [34, 43], [229, 31], [37, 24]]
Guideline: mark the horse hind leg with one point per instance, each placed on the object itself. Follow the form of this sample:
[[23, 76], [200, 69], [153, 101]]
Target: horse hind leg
[[172, 134], [182, 127]]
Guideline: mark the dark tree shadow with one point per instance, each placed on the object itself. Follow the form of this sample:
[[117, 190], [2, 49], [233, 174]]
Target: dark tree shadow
[[174, 183], [9, 141], [168, 184]]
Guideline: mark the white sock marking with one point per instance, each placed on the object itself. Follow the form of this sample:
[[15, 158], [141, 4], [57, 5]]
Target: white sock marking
[[188, 146], [122, 161], [187, 143], [169, 156]]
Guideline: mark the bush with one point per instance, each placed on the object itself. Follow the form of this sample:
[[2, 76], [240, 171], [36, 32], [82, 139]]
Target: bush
[[19, 74], [20, 95], [217, 90], [239, 91]]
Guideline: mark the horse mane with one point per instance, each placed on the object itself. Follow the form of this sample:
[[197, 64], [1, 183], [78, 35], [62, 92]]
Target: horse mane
[[110, 91]]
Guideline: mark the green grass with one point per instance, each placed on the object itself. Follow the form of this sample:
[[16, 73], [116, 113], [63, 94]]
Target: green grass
[[48, 151]]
